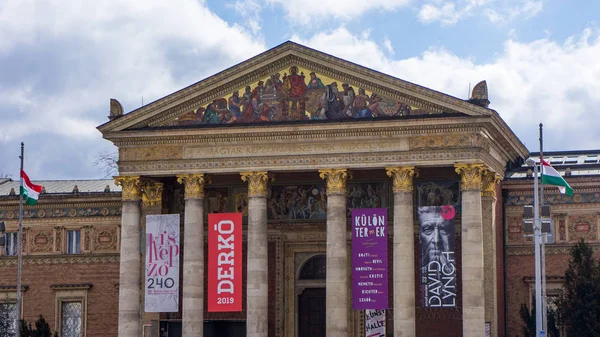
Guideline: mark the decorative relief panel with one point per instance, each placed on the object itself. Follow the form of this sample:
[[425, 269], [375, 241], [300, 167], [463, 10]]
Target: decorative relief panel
[[41, 241], [87, 241], [514, 230], [583, 227], [562, 228], [106, 239], [58, 239], [151, 153]]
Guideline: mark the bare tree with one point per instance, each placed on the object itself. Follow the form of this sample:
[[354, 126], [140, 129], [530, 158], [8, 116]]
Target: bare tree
[[107, 163]]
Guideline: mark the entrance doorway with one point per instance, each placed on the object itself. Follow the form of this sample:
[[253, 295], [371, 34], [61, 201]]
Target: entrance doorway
[[311, 313]]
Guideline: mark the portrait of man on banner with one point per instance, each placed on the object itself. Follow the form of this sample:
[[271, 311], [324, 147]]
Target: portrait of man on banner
[[438, 258]]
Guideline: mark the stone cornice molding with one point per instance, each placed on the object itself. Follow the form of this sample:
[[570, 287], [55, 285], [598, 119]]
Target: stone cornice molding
[[193, 184], [61, 259], [336, 180], [131, 187], [257, 182], [402, 177], [470, 175]]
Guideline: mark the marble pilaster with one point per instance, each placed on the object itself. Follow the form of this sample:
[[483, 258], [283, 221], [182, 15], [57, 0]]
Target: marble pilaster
[[336, 298], [488, 204], [403, 251], [257, 284], [130, 258], [193, 255], [472, 250]]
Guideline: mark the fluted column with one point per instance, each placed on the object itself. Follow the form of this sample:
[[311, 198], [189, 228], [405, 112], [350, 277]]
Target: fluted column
[[472, 250], [130, 257], [193, 255], [151, 205], [404, 250], [488, 201], [257, 284], [336, 292]]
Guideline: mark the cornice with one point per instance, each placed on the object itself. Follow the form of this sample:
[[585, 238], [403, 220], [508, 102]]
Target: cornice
[[551, 249]]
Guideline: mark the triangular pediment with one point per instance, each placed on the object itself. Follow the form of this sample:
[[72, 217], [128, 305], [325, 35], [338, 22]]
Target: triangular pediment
[[291, 83]]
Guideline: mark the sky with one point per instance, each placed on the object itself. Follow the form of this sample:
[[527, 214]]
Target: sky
[[61, 61]]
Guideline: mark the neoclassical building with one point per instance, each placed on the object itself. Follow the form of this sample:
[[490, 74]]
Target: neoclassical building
[[294, 139]]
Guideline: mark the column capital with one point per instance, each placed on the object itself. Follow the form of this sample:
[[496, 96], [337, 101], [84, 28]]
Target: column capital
[[193, 185], [336, 180], [257, 182], [152, 193], [130, 187], [489, 181], [470, 175], [402, 177]]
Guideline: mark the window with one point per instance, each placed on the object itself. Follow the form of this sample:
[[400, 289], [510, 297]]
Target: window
[[73, 242], [11, 244], [8, 316], [71, 319]]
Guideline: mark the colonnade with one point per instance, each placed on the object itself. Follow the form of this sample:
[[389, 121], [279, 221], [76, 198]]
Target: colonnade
[[477, 181]]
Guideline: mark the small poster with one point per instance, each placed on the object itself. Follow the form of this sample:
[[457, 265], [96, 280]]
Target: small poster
[[162, 263], [369, 259], [374, 323]]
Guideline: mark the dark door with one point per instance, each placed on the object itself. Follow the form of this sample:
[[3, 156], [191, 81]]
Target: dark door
[[311, 313]]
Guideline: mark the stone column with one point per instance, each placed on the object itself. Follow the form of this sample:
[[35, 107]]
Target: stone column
[[404, 251], [472, 250], [193, 255], [488, 205], [129, 275], [257, 284], [151, 204], [336, 296]]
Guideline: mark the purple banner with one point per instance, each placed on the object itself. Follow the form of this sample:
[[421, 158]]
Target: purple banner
[[369, 259]]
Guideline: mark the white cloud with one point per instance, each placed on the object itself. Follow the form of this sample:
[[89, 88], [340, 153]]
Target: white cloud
[[62, 61], [387, 44], [497, 12], [313, 12], [540, 81]]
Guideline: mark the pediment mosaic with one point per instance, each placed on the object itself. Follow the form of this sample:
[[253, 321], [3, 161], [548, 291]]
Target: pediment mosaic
[[295, 94]]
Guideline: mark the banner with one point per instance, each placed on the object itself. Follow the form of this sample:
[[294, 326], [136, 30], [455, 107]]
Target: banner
[[369, 259], [438, 259], [224, 262], [162, 263], [374, 323]]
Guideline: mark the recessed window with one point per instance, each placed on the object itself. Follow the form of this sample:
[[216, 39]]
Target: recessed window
[[74, 242], [8, 316], [71, 319], [11, 244]]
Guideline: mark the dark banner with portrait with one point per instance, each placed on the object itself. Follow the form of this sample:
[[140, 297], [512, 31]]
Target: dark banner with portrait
[[438, 258]]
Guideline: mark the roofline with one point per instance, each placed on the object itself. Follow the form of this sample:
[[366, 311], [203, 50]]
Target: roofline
[[566, 153]]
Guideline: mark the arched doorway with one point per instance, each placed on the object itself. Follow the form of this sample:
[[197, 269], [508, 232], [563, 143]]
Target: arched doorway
[[310, 286]]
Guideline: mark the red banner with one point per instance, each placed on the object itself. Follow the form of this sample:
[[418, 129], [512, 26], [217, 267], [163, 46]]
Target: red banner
[[224, 262]]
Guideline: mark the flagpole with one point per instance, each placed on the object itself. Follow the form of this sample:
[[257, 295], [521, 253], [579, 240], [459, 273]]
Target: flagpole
[[543, 243], [20, 246]]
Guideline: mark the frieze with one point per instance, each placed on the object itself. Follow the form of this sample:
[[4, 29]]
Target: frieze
[[65, 259], [350, 160], [62, 212], [451, 140], [550, 250], [294, 149], [578, 198], [151, 153]]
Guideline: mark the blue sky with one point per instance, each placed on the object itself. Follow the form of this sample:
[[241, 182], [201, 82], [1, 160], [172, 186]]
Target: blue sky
[[60, 62]]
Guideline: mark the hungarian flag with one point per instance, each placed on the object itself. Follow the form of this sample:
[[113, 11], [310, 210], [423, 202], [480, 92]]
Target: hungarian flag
[[29, 191], [551, 177]]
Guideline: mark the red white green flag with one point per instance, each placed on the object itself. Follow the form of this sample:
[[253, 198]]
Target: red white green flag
[[551, 177], [29, 191]]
